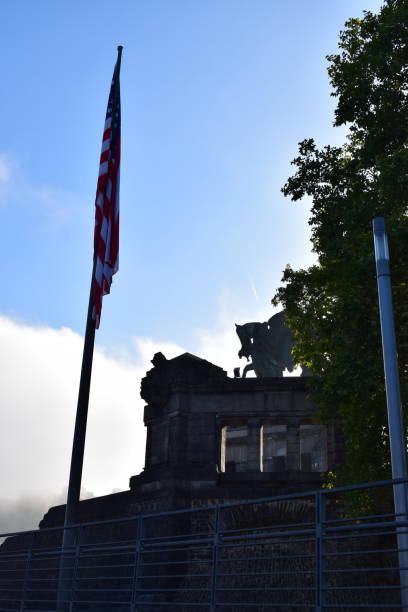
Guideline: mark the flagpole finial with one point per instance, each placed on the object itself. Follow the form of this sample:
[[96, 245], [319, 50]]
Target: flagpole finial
[[118, 62]]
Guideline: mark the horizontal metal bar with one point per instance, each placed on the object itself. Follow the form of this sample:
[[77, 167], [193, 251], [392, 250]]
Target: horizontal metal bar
[[279, 588], [248, 543], [206, 534], [208, 540], [96, 601], [280, 526], [387, 607], [183, 562], [126, 543], [271, 573], [34, 569], [31, 600], [148, 577], [362, 569], [105, 566], [34, 600], [97, 548], [106, 553], [104, 590], [89, 578], [363, 587], [56, 555], [305, 606], [267, 535], [230, 559], [19, 557], [363, 526], [363, 486], [162, 590], [25, 578], [358, 518], [361, 552], [174, 550], [166, 603]]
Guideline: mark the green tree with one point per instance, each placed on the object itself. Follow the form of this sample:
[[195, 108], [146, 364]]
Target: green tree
[[332, 306]]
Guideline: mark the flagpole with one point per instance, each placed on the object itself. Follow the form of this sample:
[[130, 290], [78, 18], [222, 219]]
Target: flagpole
[[78, 445], [77, 459]]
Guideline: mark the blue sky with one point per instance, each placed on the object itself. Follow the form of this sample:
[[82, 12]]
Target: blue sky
[[215, 97]]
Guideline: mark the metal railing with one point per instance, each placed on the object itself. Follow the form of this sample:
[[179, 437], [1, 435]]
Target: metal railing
[[311, 551]]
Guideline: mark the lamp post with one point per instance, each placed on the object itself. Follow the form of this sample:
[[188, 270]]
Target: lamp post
[[395, 423]]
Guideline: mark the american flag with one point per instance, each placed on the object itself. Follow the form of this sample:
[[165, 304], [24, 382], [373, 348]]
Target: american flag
[[106, 239]]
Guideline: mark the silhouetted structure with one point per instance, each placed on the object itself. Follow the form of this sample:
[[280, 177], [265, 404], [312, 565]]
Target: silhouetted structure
[[211, 438]]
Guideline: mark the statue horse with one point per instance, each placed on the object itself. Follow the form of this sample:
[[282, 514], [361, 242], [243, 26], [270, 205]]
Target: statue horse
[[268, 344]]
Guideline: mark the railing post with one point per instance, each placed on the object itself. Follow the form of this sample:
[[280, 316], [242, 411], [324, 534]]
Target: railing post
[[400, 492], [27, 574], [65, 569], [215, 551], [137, 563], [78, 541], [320, 510]]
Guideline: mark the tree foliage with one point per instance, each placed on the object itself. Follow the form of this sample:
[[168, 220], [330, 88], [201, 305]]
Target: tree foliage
[[332, 306]]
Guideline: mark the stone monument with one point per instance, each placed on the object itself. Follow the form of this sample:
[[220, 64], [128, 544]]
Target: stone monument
[[212, 438]]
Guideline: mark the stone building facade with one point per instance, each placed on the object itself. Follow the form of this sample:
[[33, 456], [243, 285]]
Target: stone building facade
[[211, 438], [219, 436]]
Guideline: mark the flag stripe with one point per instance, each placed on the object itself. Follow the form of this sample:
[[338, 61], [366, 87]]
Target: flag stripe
[[106, 238]]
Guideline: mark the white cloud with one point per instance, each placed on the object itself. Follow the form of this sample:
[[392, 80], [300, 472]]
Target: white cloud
[[40, 372], [25, 511], [146, 348]]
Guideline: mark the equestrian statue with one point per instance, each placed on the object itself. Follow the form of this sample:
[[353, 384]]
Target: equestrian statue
[[269, 345]]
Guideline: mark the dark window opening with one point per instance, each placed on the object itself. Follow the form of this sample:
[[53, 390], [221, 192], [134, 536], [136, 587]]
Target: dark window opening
[[274, 444], [234, 448], [313, 448]]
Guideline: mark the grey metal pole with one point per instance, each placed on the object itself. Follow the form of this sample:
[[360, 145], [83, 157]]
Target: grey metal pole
[[395, 422]]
